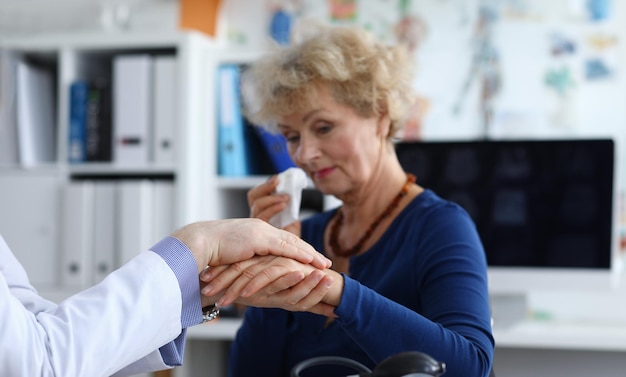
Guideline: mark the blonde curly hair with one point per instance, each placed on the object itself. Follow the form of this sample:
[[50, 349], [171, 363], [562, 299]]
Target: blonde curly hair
[[359, 71]]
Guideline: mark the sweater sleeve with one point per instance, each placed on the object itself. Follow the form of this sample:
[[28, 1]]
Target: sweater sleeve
[[453, 324]]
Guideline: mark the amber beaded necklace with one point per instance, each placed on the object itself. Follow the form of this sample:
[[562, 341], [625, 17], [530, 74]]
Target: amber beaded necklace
[[334, 230]]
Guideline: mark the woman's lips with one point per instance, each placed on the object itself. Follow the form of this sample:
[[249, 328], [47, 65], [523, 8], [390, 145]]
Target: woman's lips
[[322, 173]]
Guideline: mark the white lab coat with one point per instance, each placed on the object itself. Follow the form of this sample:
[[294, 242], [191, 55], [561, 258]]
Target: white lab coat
[[113, 328]]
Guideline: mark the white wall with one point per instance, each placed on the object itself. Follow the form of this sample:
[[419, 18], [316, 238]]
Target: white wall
[[28, 17]]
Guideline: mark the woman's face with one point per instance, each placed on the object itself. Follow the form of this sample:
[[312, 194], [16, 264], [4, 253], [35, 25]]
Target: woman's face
[[337, 148]]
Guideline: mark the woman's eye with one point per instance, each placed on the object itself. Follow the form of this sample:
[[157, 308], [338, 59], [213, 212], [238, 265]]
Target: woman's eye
[[292, 138], [324, 129]]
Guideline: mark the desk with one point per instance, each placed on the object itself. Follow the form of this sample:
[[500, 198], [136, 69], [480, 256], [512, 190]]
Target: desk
[[532, 334], [220, 329], [531, 348], [563, 335], [535, 348], [206, 351]]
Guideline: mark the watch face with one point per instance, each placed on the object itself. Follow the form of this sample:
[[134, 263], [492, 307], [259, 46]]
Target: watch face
[[210, 312]]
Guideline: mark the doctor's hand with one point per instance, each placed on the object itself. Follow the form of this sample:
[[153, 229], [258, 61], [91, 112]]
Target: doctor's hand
[[265, 203], [275, 282], [224, 242]]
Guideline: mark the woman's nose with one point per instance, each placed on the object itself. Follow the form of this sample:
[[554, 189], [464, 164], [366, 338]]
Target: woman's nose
[[307, 150]]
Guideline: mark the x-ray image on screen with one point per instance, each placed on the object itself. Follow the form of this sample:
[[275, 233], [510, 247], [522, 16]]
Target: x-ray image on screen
[[536, 203]]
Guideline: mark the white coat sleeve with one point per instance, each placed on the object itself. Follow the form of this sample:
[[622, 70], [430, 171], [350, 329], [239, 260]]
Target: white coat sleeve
[[97, 332]]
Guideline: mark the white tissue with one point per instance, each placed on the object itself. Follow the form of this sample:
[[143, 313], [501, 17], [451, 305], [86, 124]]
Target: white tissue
[[291, 182]]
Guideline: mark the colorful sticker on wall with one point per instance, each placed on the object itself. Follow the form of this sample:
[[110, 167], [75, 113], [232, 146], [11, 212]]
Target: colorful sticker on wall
[[561, 44], [596, 69], [410, 30], [560, 80], [280, 26], [283, 15], [599, 10], [342, 10], [415, 118]]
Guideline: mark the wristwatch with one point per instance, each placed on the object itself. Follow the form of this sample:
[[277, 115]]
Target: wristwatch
[[209, 313]]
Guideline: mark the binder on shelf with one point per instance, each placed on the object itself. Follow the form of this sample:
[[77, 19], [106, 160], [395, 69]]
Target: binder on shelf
[[259, 162], [276, 148], [30, 222], [77, 235], [99, 127], [35, 114], [132, 100], [164, 106], [134, 218], [8, 108], [232, 151], [104, 230], [77, 125]]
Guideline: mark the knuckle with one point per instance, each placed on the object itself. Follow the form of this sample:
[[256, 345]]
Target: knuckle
[[238, 267], [248, 273]]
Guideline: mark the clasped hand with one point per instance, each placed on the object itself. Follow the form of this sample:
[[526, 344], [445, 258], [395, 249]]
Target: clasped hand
[[274, 282], [251, 262]]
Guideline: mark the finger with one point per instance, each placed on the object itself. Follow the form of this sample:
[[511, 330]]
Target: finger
[[312, 290], [261, 284], [210, 273], [282, 283], [291, 246], [309, 292], [264, 189], [226, 277], [210, 300], [312, 301], [278, 294], [262, 277], [268, 206]]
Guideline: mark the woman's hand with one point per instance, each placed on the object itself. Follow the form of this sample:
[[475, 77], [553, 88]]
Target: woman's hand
[[264, 203], [276, 283]]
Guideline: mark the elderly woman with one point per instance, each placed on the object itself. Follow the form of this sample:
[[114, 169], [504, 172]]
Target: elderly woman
[[409, 271]]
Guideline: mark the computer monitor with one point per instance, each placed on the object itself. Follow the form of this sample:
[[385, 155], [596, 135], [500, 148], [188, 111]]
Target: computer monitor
[[544, 209]]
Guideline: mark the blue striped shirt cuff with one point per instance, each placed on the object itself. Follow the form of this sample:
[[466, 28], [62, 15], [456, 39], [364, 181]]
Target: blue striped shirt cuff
[[180, 259]]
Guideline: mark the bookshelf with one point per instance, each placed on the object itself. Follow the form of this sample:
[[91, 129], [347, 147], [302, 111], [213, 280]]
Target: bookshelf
[[35, 191], [68, 58]]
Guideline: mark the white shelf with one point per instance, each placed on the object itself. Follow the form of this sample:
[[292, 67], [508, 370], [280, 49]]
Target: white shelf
[[580, 336], [97, 40], [96, 168], [220, 329], [240, 183]]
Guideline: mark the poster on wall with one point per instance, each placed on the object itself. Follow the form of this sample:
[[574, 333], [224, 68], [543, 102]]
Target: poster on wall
[[484, 68], [560, 70], [443, 36]]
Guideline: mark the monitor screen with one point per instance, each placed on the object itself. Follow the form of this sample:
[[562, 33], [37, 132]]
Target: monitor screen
[[537, 204]]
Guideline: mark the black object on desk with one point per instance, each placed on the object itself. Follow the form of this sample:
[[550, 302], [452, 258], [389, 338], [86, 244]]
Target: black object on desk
[[405, 364]]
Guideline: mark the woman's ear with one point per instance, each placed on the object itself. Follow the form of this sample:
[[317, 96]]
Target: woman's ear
[[384, 125]]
